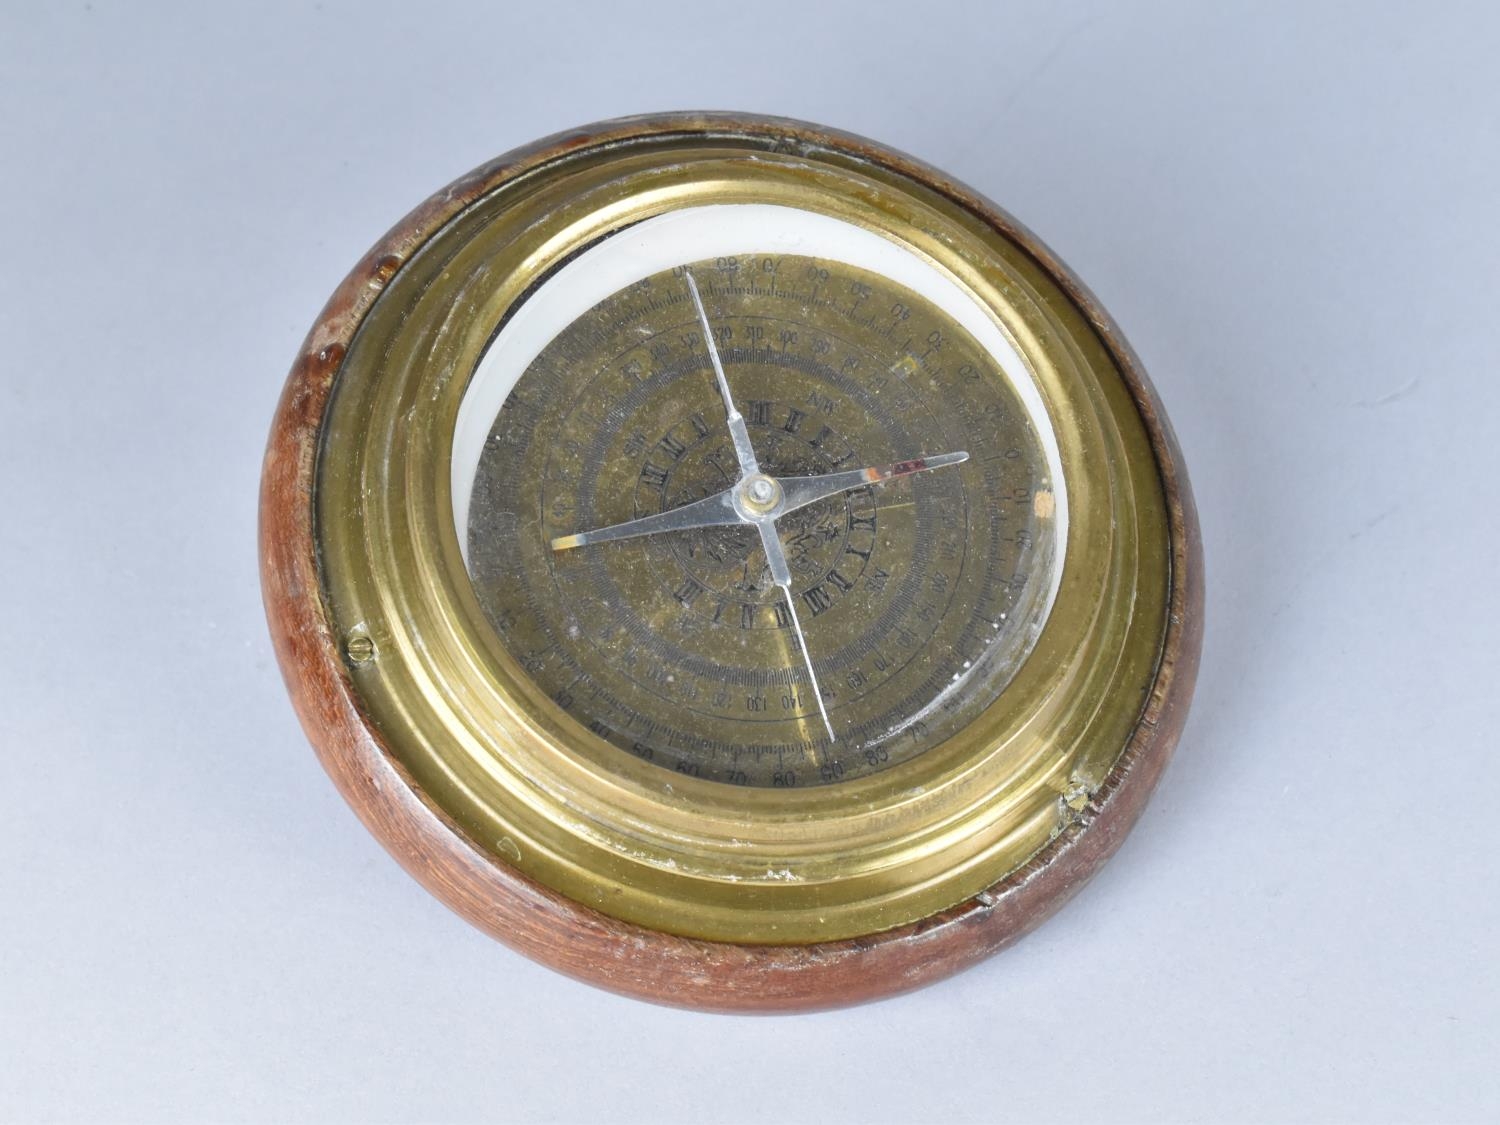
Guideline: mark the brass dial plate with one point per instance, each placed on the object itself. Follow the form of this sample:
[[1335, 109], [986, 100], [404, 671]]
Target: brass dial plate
[[918, 597]]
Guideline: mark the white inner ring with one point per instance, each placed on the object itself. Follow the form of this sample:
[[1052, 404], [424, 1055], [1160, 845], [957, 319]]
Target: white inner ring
[[717, 231]]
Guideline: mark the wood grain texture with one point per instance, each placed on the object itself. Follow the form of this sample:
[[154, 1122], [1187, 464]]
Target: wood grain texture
[[575, 939]]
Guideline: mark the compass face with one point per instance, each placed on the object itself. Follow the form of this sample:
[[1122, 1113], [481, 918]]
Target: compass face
[[912, 591]]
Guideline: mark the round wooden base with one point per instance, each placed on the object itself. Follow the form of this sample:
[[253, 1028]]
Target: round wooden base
[[575, 939]]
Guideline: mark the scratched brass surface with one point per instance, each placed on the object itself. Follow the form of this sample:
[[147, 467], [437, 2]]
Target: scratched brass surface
[[918, 598]]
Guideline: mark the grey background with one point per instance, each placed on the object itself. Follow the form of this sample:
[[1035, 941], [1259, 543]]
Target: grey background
[[1291, 209]]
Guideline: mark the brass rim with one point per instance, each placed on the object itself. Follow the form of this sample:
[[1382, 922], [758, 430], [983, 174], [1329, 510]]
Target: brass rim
[[521, 779]]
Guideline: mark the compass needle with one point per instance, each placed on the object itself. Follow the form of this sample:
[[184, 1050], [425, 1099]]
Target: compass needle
[[802, 491], [711, 511], [744, 452], [782, 576]]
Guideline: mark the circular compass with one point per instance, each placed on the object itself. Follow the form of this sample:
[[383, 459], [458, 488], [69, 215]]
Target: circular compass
[[731, 562], [791, 599]]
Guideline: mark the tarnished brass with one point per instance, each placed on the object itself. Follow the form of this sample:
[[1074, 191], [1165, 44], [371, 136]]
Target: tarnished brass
[[535, 788], [917, 598]]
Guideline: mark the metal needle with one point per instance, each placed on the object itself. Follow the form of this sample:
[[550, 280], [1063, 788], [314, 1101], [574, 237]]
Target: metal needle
[[799, 492], [781, 574], [796, 492], [712, 511], [765, 522], [743, 450]]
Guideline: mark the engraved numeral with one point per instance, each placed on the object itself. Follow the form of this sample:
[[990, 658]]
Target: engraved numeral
[[818, 599]]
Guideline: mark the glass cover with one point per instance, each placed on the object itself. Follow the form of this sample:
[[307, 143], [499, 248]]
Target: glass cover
[[806, 546]]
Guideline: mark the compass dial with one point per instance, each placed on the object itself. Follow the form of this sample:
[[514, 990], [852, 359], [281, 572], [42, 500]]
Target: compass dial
[[912, 598]]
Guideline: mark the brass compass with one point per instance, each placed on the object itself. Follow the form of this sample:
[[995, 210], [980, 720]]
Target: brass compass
[[731, 562]]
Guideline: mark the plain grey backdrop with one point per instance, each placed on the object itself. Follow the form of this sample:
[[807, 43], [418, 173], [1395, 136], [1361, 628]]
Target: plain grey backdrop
[[1292, 211]]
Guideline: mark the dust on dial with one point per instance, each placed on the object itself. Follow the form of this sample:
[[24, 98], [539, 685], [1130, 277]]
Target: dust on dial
[[909, 593]]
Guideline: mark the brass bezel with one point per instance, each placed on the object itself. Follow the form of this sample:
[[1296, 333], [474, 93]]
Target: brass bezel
[[522, 780]]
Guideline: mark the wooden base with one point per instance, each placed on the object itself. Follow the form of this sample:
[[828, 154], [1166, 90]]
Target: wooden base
[[575, 939]]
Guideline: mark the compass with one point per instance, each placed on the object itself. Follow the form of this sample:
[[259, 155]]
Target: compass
[[731, 562]]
